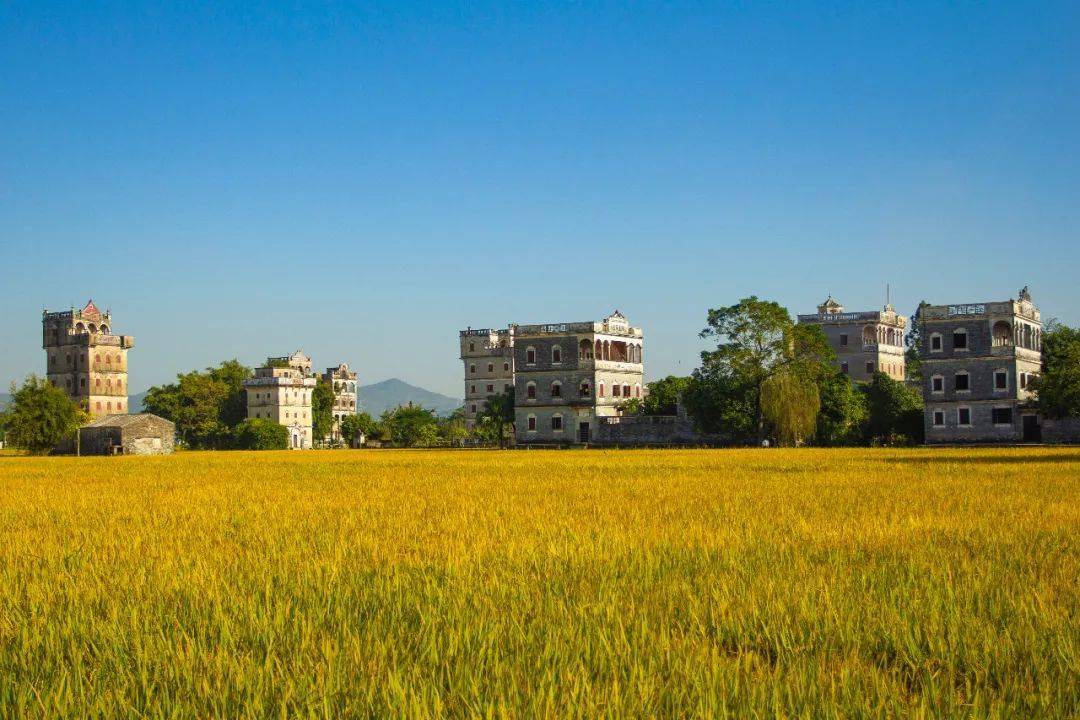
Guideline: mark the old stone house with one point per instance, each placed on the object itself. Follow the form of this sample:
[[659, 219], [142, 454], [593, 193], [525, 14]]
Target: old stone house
[[140, 434]]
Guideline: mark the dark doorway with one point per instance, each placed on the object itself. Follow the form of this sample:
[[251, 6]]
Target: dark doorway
[[583, 432], [1032, 428]]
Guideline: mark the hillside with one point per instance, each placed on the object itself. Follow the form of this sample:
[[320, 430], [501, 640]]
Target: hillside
[[391, 393]]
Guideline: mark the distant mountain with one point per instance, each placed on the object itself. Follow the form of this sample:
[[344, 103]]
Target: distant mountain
[[135, 402], [391, 393]]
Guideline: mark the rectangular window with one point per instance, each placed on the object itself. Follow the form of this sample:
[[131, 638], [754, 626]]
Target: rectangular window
[[1001, 381], [532, 422], [556, 390], [869, 367], [556, 422], [935, 342], [506, 367], [1002, 416], [530, 392], [963, 417], [961, 382], [843, 339], [1023, 380], [530, 356], [556, 355], [959, 341], [491, 388], [939, 418], [939, 384], [491, 367]]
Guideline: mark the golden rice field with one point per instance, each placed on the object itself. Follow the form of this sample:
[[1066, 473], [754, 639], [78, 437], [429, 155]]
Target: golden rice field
[[755, 583]]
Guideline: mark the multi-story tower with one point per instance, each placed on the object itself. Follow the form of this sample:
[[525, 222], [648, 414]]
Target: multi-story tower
[[343, 381], [281, 391], [865, 342], [86, 359], [488, 356], [568, 375], [977, 361]]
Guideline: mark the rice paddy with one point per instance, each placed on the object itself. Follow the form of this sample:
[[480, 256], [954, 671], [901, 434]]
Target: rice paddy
[[743, 583]]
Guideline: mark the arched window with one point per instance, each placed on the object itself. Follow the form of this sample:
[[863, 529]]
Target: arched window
[[530, 356], [104, 328], [92, 328], [80, 328], [530, 391], [600, 389], [599, 350], [556, 389], [626, 390], [506, 367], [869, 335], [1002, 334], [584, 350], [472, 369], [556, 354], [959, 339], [556, 422], [472, 347], [637, 391], [532, 423]]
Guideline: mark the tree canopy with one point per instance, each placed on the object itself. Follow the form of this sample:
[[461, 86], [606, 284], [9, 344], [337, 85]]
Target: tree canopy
[[261, 434], [663, 396], [322, 409], [757, 340], [1057, 389], [206, 406], [40, 416], [894, 412]]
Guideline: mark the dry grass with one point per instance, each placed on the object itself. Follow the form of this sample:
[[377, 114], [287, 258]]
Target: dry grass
[[838, 583]]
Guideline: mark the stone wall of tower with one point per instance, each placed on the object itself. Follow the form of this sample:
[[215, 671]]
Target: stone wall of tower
[[84, 358]]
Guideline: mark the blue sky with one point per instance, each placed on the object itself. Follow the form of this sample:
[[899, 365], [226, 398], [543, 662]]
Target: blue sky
[[361, 181]]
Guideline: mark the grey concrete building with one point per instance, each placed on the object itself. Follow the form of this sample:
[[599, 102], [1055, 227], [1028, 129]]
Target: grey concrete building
[[488, 359], [865, 342], [977, 362], [568, 375], [139, 434]]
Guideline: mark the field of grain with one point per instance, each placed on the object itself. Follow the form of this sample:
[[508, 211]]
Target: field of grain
[[756, 583]]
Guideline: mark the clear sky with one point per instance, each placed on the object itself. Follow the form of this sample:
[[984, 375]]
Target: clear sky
[[362, 180]]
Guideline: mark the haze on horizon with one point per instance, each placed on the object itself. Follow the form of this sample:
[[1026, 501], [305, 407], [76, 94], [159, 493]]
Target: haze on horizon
[[245, 180]]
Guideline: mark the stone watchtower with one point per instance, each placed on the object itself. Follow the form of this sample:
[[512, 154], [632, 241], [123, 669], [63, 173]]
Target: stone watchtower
[[977, 362], [84, 358], [865, 342], [343, 381], [488, 357], [568, 376], [281, 391]]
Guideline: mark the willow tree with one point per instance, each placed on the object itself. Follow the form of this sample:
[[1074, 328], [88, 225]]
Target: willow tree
[[790, 404]]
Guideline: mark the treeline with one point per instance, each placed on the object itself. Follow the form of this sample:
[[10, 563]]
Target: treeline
[[771, 379]]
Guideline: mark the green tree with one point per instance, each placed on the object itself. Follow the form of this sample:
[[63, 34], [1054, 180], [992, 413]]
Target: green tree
[[757, 340], [40, 416], [261, 434], [206, 406], [1057, 389], [843, 411], [913, 341], [496, 418], [790, 403], [360, 423], [410, 426], [664, 395], [452, 428], [322, 409], [894, 412]]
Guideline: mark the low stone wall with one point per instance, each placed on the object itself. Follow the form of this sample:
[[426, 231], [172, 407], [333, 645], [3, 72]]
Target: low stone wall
[[631, 430], [1064, 430]]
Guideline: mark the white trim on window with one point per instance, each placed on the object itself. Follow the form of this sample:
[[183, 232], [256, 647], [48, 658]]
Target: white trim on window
[[959, 410], [935, 381], [530, 355], [556, 349], [937, 413], [530, 423], [1000, 371], [1011, 415], [967, 339], [966, 374], [941, 342], [530, 397], [562, 425]]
